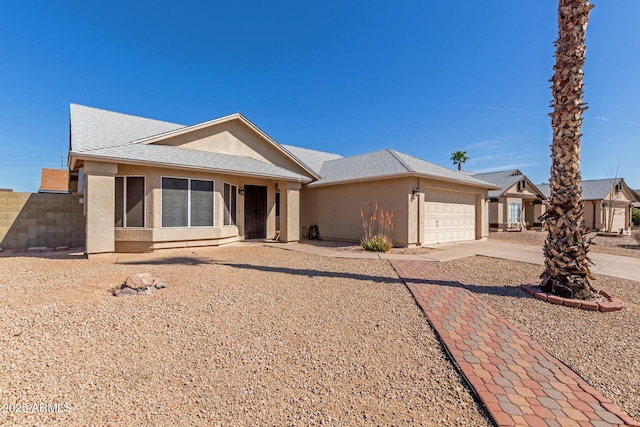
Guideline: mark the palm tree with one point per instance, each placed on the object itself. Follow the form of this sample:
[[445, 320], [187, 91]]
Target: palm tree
[[567, 271], [459, 157]]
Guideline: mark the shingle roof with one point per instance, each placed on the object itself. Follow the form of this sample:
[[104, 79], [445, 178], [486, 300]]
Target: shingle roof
[[312, 158], [593, 189], [503, 179], [107, 135], [165, 155], [384, 164], [93, 128]]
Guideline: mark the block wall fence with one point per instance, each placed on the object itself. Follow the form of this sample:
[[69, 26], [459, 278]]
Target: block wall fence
[[41, 219]]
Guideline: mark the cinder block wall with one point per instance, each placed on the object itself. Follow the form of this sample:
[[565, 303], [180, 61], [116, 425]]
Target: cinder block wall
[[40, 219]]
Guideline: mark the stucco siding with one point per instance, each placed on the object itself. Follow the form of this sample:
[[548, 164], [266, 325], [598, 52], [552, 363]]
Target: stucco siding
[[234, 138], [336, 209]]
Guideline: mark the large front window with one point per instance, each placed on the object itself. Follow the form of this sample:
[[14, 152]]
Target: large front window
[[515, 212], [187, 202], [129, 203]]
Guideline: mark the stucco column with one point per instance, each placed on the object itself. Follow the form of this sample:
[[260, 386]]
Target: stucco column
[[99, 198], [482, 216], [290, 211]]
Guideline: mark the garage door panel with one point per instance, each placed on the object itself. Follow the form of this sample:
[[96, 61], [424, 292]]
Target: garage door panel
[[449, 217]]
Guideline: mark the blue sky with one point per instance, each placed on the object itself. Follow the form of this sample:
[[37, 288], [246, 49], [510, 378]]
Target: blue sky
[[423, 77]]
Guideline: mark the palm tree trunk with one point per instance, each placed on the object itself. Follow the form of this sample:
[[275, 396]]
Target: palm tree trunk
[[565, 249]]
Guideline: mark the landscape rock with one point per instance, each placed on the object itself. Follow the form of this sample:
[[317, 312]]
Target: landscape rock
[[124, 291], [140, 281], [161, 285], [1, 249]]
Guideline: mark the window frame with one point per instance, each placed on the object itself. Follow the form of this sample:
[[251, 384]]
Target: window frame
[[233, 216], [124, 201], [519, 210], [213, 202]]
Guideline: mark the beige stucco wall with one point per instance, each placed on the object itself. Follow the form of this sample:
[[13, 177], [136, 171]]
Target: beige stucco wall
[[236, 138], [289, 212], [154, 236], [99, 207], [336, 209]]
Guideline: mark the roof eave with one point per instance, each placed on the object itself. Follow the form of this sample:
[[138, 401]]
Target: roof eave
[[401, 175], [84, 156]]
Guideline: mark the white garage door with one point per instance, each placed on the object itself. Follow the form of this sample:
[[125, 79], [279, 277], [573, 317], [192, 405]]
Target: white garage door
[[449, 217]]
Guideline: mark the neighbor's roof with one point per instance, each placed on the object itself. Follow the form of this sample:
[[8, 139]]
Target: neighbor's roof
[[386, 164], [593, 189], [503, 179], [54, 181], [110, 136], [312, 158]]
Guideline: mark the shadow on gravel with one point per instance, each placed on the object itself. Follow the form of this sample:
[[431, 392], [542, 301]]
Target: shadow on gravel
[[500, 290], [179, 260], [314, 273]]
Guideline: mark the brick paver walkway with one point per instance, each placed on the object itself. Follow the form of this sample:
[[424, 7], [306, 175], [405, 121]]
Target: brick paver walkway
[[518, 382]]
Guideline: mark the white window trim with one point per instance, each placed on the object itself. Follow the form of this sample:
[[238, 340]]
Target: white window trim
[[124, 200], [213, 203], [224, 202]]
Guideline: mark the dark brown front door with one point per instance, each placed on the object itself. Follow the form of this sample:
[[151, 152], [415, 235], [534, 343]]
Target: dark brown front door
[[255, 212]]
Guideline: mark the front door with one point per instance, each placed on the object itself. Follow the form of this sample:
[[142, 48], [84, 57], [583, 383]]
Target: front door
[[255, 212]]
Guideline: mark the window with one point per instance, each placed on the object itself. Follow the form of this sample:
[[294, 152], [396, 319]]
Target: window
[[230, 192], [515, 212], [187, 202], [129, 203]]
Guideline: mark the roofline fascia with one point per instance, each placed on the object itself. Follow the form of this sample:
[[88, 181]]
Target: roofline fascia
[[400, 175], [77, 156], [220, 120]]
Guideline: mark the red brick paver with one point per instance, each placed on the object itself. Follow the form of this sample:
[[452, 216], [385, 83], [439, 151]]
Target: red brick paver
[[516, 380]]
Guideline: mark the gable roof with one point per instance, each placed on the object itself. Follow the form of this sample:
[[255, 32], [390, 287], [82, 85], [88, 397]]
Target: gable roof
[[109, 136], [593, 189], [312, 158], [505, 180], [387, 163]]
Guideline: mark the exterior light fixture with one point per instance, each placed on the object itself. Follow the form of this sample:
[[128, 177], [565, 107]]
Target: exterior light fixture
[[241, 191]]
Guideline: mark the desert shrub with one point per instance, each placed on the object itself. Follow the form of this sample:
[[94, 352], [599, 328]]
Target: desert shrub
[[377, 227], [377, 244], [636, 235]]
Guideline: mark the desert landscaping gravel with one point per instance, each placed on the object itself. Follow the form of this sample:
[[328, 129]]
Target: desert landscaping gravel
[[242, 335], [603, 348]]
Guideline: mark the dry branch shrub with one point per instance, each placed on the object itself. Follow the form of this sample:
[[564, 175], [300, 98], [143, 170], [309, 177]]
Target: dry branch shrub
[[377, 227]]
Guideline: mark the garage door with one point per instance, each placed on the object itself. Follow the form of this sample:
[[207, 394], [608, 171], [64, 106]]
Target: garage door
[[449, 217]]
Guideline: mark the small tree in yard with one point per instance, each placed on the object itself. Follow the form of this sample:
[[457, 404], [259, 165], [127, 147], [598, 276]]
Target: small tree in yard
[[635, 217], [377, 227]]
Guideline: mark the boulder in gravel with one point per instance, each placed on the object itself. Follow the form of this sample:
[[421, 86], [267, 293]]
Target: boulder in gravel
[[161, 285], [1, 249], [140, 281], [147, 290], [124, 291]]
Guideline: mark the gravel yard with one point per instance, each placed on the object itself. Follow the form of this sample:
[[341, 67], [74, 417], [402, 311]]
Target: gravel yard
[[243, 335], [602, 347], [619, 245]]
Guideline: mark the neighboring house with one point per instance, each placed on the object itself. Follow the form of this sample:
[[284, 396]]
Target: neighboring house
[[54, 181], [606, 201], [518, 203], [152, 185]]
